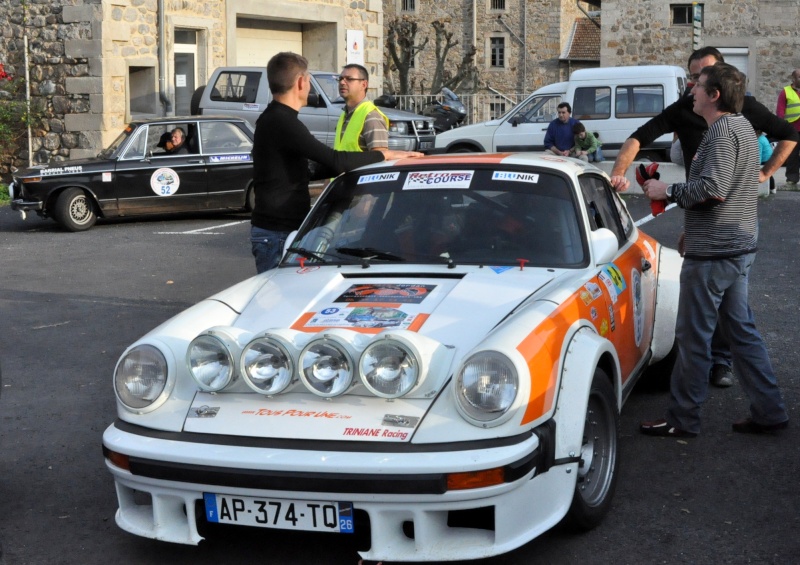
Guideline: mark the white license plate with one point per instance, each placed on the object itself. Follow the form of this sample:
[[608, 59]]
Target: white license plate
[[315, 516]]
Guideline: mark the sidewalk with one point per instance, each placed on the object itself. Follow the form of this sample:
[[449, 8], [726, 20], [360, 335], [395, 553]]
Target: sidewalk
[[670, 172]]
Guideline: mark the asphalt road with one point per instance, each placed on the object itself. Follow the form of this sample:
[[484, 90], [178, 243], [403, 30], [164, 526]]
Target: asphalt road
[[71, 303]]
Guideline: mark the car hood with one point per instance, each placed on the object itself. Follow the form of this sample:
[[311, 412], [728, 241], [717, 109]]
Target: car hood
[[455, 307]]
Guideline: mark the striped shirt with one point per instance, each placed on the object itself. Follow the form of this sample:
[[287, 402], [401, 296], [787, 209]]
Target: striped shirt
[[721, 197], [374, 135]]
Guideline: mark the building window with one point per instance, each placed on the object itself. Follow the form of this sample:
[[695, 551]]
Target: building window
[[408, 5], [497, 5], [497, 52], [682, 14], [496, 109]]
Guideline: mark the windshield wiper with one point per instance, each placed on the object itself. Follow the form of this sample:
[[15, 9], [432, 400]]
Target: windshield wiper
[[369, 253], [308, 254]]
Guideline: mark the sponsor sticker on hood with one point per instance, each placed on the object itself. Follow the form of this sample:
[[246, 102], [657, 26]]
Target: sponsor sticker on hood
[[438, 179]]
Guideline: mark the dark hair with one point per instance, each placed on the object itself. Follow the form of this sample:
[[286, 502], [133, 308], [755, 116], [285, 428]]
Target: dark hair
[[705, 52], [283, 69], [361, 70], [730, 82], [578, 128], [565, 105]]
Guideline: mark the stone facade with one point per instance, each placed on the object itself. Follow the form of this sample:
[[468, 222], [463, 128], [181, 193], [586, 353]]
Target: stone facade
[[641, 32], [535, 34]]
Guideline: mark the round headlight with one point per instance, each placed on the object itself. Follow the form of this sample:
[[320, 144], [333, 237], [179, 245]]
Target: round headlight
[[389, 369], [326, 368], [140, 377], [486, 386], [267, 366], [210, 363]]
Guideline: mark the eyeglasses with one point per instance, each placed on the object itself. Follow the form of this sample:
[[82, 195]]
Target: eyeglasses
[[348, 79]]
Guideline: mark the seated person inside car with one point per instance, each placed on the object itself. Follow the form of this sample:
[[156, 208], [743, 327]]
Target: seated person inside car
[[177, 143]]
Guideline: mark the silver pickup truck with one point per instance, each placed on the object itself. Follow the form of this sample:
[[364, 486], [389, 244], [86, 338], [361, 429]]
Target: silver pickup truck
[[244, 92]]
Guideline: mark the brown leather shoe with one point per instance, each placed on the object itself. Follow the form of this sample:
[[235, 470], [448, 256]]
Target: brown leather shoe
[[662, 428]]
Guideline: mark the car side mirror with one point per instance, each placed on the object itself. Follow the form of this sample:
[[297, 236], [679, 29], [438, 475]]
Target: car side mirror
[[604, 245], [313, 100], [514, 121]]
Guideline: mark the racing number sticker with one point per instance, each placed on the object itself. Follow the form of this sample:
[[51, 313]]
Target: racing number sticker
[[165, 182]]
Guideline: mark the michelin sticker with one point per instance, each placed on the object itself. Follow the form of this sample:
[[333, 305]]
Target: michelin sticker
[[516, 177], [379, 177], [438, 179], [165, 182], [638, 310], [229, 158]]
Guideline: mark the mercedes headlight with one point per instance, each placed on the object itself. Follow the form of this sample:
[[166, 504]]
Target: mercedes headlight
[[210, 363], [389, 369], [326, 368], [267, 366], [486, 386], [140, 377]]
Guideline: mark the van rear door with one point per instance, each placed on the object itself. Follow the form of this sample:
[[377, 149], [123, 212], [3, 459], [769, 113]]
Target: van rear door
[[236, 92]]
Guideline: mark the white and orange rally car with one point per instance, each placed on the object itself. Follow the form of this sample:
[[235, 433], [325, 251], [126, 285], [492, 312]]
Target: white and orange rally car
[[438, 363]]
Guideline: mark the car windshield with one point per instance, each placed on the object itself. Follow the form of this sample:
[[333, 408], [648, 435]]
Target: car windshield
[[329, 84], [109, 151], [476, 216]]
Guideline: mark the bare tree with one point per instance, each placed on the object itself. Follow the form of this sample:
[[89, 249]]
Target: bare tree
[[401, 46], [401, 36]]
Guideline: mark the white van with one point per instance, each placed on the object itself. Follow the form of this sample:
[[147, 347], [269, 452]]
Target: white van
[[610, 101]]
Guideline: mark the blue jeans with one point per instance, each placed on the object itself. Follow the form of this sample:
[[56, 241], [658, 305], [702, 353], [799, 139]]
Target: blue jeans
[[596, 156], [711, 291], [267, 247]]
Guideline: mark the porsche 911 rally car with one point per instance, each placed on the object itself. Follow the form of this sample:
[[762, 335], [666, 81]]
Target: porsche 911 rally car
[[438, 362]]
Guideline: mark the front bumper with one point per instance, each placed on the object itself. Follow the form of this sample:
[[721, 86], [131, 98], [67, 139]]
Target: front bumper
[[399, 491], [27, 205]]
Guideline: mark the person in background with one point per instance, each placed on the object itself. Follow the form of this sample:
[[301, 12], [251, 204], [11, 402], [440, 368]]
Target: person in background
[[679, 118], [559, 138], [362, 126], [587, 146], [720, 200], [282, 148], [765, 152], [789, 109]]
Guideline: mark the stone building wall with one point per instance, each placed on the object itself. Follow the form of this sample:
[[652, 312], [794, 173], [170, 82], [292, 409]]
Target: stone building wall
[[535, 34], [641, 33]]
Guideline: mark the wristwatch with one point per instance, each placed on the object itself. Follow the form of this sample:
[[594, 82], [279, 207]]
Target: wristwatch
[[669, 193]]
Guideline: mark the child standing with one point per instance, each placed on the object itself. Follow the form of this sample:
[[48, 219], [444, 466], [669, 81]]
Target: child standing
[[586, 146]]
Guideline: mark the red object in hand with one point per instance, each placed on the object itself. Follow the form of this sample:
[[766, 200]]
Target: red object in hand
[[658, 206]]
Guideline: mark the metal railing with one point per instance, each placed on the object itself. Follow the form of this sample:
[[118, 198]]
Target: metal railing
[[480, 107]]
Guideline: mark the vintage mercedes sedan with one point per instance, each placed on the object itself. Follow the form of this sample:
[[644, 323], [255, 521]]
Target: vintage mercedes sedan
[[141, 173], [438, 364]]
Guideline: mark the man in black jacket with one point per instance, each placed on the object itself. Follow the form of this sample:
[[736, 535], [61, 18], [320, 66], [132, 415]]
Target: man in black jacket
[[679, 118], [282, 148]]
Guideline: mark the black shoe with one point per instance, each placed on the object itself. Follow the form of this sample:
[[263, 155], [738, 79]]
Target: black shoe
[[721, 376], [748, 426], [662, 428]]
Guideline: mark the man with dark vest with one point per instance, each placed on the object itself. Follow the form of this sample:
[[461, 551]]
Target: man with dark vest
[[361, 127], [789, 109]]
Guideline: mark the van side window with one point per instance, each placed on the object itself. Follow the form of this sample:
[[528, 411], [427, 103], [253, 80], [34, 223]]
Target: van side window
[[639, 101], [592, 103], [236, 86]]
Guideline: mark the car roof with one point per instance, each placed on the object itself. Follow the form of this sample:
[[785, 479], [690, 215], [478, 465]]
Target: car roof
[[180, 119], [450, 160]]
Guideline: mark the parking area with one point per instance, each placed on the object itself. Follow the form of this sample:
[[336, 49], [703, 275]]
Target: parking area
[[71, 303]]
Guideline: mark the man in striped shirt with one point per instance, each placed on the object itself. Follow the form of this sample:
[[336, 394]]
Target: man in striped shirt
[[362, 126], [721, 225]]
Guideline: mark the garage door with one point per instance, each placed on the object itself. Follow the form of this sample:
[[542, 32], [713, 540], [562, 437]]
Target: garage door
[[258, 40]]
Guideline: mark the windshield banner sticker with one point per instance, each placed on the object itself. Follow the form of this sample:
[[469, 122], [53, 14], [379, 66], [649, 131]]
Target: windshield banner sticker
[[380, 177], [404, 293], [165, 182], [532, 178], [438, 179]]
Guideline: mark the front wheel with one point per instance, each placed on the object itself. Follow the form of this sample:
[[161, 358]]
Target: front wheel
[[74, 210], [597, 471]]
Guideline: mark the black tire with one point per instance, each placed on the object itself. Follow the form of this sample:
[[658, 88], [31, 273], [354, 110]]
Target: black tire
[[250, 199], [463, 149], [74, 210], [597, 472], [194, 103]]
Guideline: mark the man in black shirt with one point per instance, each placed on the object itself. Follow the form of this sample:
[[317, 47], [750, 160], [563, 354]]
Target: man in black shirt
[[680, 118], [282, 148]]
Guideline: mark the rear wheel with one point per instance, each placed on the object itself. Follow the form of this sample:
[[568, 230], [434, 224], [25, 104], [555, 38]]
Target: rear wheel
[[463, 149], [597, 472], [194, 103], [74, 210], [250, 199]]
